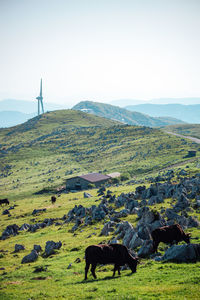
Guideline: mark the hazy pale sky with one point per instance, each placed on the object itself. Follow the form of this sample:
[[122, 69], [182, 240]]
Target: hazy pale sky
[[99, 50]]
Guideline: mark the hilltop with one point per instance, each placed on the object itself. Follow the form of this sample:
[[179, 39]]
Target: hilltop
[[124, 115], [48, 149]]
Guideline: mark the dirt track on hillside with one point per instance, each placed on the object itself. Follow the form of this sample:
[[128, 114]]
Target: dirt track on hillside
[[196, 140]]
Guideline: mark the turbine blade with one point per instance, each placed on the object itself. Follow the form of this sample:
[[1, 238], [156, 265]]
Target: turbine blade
[[41, 88]]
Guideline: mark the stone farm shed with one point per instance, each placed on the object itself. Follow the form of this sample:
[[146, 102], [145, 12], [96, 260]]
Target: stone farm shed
[[84, 181]]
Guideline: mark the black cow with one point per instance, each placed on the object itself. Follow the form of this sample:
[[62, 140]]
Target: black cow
[[53, 199], [4, 201], [108, 254], [169, 235]]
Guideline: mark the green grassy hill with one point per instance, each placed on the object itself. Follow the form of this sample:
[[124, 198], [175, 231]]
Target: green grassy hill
[[48, 149], [42, 153], [185, 129], [124, 115]]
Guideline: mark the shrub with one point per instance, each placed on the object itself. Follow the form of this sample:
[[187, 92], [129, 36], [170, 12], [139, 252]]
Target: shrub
[[125, 176]]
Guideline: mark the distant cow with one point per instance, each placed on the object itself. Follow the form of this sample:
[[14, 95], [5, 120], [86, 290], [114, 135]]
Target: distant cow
[[53, 199], [168, 235], [109, 254], [4, 201]]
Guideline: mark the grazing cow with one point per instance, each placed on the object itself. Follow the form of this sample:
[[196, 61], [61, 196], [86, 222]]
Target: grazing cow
[[168, 235], [108, 254], [4, 201], [53, 199]]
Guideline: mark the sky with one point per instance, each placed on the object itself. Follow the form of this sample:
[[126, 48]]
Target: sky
[[99, 50]]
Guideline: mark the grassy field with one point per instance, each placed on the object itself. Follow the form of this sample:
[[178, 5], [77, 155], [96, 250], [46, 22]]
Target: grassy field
[[42, 154], [153, 280]]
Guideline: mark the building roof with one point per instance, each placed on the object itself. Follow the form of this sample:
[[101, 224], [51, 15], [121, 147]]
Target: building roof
[[94, 177], [114, 175]]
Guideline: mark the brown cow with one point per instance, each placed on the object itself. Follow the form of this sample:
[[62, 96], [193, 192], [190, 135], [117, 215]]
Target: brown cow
[[4, 201], [108, 254], [53, 199], [169, 235]]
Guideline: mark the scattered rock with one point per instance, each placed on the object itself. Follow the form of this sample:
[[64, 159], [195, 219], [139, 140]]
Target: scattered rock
[[30, 257], [36, 211], [87, 195], [19, 247], [69, 266], [37, 248], [50, 247]]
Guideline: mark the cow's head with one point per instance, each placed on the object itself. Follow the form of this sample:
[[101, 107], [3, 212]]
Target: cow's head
[[133, 261], [187, 238]]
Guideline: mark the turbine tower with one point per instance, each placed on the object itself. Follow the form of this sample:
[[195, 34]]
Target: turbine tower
[[40, 100]]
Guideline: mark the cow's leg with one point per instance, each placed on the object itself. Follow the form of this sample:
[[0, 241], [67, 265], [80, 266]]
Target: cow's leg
[[155, 246], [93, 270], [86, 269], [119, 270], [116, 268]]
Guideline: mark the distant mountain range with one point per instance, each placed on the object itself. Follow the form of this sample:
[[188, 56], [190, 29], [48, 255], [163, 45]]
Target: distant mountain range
[[12, 118], [187, 113], [123, 115], [27, 107], [183, 101], [14, 112]]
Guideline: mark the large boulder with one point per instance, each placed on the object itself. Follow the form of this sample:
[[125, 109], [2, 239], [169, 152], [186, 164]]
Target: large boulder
[[182, 203], [144, 232], [193, 222], [30, 257], [108, 227], [182, 253], [98, 214], [135, 242], [146, 249], [128, 236], [50, 248], [122, 228], [10, 230], [77, 224]]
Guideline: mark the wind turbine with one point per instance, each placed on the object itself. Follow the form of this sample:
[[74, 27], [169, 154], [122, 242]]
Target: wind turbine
[[40, 100]]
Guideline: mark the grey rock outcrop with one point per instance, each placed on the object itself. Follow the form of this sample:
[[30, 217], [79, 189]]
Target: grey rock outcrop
[[50, 247], [18, 248], [108, 227], [146, 249], [183, 253], [30, 257], [36, 211], [37, 248], [10, 230]]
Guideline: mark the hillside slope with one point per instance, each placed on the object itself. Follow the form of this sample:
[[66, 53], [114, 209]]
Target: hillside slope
[[54, 146], [123, 115], [192, 130], [187, 113]]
